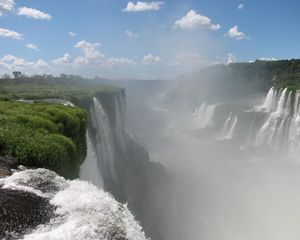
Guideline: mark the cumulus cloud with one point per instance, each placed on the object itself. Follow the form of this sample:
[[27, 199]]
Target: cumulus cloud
[[150, 60], [131, 34], [41, 64], [194, 20], [32, 47], [92, 57], [7, 33], [72, 34], [241, 6], [231, 58], [6, 6], [234, 33], [33, 13], [65, 60], [143, 6], [11, 62]]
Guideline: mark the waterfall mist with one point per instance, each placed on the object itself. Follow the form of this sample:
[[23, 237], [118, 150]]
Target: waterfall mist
[[233, 162]]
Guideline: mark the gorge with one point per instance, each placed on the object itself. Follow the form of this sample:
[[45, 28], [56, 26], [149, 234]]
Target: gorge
[[202, 158]]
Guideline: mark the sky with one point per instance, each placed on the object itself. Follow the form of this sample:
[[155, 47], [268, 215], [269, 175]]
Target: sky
[[123, 39]]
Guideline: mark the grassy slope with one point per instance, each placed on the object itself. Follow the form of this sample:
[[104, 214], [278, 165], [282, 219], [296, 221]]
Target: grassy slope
[[41, 134]]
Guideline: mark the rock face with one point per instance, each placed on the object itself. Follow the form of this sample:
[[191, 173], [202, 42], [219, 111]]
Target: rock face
[[6, 164], [124, 166], [21, 211]]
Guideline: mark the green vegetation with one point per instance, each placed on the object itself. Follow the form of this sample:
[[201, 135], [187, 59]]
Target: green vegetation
[[70, 88], [44, 135], [282, 73]]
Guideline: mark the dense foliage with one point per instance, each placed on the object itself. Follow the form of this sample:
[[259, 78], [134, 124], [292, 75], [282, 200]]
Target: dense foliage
[[44, 135], [47, 135], [281, 73], [71, 88]]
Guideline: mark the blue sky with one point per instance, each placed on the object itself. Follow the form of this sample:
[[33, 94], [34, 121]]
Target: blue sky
[[143, 39]]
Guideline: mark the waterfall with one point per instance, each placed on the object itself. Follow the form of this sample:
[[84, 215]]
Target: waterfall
[[204, 115], [229, 126], [268, 104], [82, 211], [281, 129], [281, 103], [109, 144], [89, 170], [104, 145], [120, 112]]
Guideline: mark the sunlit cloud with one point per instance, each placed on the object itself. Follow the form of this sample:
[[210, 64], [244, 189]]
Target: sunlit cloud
[[194, 20]]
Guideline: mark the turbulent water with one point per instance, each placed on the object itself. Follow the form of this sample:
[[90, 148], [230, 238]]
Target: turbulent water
[[82, 211], [235, 165]]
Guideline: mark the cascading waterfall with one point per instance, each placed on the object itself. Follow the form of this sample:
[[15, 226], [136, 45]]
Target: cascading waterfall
[[82, 211], [269, 102], [229, 126], [104, 139], [281, 128], [204, 115], [120, 112]]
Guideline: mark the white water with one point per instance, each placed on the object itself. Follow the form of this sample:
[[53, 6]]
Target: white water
[[229, 126], [83, 210], [120, 113], [281, 129], [268, 104], [89, 170], [204, 115], [104, 139]]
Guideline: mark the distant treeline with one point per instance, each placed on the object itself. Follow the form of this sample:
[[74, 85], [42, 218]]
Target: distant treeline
[[280, 73]]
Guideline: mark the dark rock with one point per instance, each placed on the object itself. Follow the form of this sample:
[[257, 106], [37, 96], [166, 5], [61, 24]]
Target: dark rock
[[6, 164], [21, 211]]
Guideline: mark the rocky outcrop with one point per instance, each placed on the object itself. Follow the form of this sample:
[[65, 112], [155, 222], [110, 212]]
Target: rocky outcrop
[[21, 211], [6, 164]]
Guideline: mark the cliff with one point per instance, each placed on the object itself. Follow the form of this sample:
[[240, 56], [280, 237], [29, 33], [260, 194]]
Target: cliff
[[53, 136]]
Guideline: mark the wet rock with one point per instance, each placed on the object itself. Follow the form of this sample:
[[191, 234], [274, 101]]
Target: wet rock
[[6, 164], [21, 211]]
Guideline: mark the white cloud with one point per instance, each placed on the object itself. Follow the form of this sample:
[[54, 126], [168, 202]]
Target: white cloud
[[80, 62], [32, 47], [143, 6], [41, 64], [120, 61], [241, 6], [72, 34], [194, 20], [11, 62], [149, 59], [65, 60], [231, 58], [131, 34], [7, 33], [91, 57], [33, 13], [236, 34], [268, 59], [6, 6], [90, 51]]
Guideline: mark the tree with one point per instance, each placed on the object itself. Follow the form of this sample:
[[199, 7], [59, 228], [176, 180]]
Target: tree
[[17, 74]]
